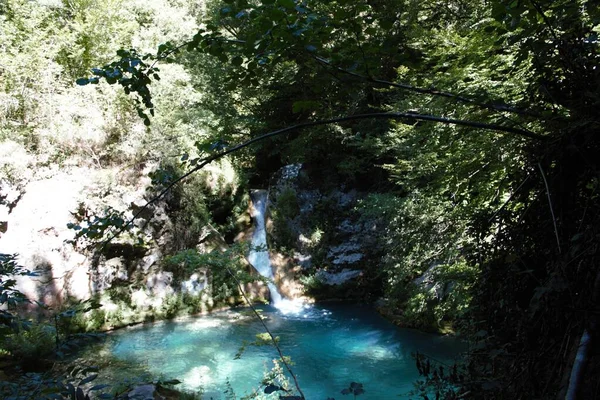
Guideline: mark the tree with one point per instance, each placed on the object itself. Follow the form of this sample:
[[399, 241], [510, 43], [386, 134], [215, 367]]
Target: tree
[[521, 202]]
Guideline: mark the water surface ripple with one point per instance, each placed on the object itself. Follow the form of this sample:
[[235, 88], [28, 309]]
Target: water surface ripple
[[331, 346]]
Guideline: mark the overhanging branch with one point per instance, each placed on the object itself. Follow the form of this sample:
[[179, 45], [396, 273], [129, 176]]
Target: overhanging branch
[[432, 92], [407, 116]]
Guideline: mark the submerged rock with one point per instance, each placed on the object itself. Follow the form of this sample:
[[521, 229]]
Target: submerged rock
[[144, 392]]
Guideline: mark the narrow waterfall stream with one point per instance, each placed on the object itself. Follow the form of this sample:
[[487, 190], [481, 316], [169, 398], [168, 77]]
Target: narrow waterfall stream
[[259, 253]]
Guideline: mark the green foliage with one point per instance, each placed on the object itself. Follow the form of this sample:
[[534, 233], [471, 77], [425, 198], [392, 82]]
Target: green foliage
[[171, 306], [46, 46], [275, 380], [311, 284], [445, 305], [24, 341], [133, 74], [208, 202], [221, 264], [42, 45], [99, 228], [287, 203], [120, 294], [31, 345], [439, 380], [74, 385], [10, 296]]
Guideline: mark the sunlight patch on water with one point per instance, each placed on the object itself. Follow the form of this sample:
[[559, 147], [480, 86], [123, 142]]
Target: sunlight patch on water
[[374, 352], [291, 307], [197, 377], [202, 324]]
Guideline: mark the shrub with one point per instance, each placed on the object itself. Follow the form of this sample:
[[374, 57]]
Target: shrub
[[31, 345]]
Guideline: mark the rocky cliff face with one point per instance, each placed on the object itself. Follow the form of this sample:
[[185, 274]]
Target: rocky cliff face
[[128, 277], [323, 234]]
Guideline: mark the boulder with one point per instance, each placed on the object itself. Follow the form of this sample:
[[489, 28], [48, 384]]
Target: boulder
[[337, 278]]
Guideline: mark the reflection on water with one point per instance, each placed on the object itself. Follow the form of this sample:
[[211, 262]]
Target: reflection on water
[[331, 346]]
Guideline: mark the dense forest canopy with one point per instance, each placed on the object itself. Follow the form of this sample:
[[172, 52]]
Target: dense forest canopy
[[471, 125]]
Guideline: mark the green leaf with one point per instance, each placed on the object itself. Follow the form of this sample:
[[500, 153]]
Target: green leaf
[[386, 24], [289, 4], [82, 81], [305, 105], [237, 60]]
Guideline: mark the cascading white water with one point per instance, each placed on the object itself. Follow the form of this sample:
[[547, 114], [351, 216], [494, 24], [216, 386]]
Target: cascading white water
[[259, 254]]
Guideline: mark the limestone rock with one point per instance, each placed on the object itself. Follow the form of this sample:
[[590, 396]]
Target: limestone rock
[[35, 219], [346, 253], [194, 284], [303, 260], [108, 272], [337, 278], [429, 283]]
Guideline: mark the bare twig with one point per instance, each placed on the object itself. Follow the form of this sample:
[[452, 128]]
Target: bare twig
[[538, 8], [433, 92], [551, 208], [513, 194]]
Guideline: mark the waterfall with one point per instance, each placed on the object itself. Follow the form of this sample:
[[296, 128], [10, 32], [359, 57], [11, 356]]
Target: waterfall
[[259, 253]]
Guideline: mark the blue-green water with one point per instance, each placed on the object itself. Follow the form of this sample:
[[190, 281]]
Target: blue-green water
[[331, 346]]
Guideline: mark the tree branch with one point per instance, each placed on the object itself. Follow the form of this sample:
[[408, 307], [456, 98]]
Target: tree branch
[[539, 10], [550, 206], [409, 116], [433, 92], [513, 194]]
